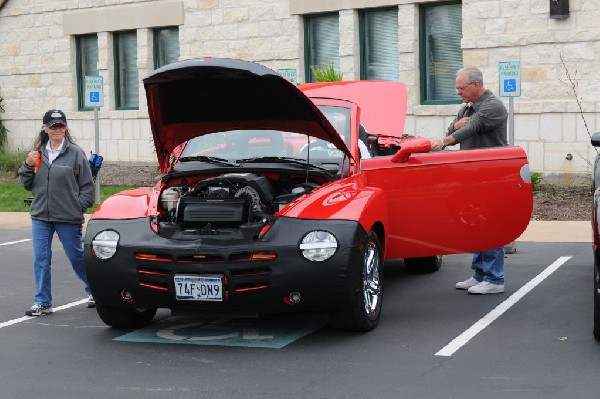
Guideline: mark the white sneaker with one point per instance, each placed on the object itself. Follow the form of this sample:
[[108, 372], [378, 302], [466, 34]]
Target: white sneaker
[[465, 285], [485, 287]]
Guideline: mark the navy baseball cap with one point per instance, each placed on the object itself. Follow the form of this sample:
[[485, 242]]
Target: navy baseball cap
[[53, 117]]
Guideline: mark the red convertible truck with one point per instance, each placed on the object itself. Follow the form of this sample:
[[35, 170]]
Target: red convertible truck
[[285, 198]]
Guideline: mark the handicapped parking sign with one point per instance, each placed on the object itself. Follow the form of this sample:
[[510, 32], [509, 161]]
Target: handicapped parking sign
[[94, 97], [93, 91], [268, 331], [510, 85], [509, 78]]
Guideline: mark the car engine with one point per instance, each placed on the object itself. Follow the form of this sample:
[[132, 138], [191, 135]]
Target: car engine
[[234, 205]]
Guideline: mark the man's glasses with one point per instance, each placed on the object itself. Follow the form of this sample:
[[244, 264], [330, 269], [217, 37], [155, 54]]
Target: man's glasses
[[461, 88]]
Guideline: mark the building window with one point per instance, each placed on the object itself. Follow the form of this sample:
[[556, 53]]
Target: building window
[[379, 59], [86, 48], [166, 46], [322, 42], [126, 71], [440, 52]]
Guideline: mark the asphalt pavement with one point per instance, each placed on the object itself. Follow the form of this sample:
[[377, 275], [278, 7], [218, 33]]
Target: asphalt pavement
[[537, 231], [534, 341]]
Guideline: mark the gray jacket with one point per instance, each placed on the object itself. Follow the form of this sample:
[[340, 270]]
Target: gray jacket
[[487, 126], [61, 191]]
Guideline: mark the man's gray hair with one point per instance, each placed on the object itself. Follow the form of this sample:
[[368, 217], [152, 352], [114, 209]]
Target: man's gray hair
[[473, 74]]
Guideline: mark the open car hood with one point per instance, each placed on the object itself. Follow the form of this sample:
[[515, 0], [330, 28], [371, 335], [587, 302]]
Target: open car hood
[[195, 97]]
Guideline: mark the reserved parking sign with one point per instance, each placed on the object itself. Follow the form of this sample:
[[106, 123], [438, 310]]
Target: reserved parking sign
[[509, 78], [93, 91]]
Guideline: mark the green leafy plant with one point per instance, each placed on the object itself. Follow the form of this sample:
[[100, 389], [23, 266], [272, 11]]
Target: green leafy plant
[[326, 73], [536, 180], [3, 129]]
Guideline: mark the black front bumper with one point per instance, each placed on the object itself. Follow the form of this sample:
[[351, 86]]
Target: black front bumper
[[145, 266]]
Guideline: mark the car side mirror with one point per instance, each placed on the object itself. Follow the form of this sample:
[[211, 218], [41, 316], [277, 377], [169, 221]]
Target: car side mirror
[[412, 146], [596, 139]]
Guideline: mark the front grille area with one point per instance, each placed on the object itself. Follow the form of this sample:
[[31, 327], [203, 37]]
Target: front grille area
[[155, 273], [200, 258]]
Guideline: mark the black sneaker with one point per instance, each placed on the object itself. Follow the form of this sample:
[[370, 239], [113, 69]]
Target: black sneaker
[[38, 310], [91, 303]]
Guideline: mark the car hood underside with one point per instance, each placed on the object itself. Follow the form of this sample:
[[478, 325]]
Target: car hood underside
[[201, 96]]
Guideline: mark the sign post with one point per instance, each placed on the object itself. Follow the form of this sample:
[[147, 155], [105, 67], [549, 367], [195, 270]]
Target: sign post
[[509, 80], [94, 97]]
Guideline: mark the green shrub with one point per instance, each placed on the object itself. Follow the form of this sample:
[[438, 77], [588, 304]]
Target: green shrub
[[10, 161], [536, 180], [326, 73]]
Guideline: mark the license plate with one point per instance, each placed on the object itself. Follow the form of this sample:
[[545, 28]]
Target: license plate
[[198, 288]]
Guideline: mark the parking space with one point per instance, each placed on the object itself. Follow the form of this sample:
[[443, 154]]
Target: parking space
[[538, 346]]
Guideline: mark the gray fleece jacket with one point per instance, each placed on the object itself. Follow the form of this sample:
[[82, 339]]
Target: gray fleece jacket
[[61, 191]]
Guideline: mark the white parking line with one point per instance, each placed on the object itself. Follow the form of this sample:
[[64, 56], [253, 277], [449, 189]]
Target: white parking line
[[15, 242], [56, 309], [486, 320]]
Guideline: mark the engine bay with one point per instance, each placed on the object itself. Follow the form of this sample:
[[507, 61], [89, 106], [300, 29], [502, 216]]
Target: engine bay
[[228, 206]]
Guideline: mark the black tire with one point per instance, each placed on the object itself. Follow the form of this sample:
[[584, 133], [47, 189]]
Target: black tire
[[596, 298], [427, 264], [125, 317], [365, 311]]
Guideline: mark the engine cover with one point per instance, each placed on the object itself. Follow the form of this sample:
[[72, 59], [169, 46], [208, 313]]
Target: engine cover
[[208, 210]]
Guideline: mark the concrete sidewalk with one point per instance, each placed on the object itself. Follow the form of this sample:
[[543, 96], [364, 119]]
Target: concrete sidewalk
[[537, 231]]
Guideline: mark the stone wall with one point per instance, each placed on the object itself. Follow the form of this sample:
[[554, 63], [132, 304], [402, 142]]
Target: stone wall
[[37, 63]]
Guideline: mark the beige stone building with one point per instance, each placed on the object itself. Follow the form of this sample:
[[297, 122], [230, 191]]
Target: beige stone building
[[47, 48]]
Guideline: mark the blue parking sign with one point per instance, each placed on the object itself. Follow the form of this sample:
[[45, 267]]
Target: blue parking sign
[[510, 85], [93, 91], [94, 97], [509, 79]]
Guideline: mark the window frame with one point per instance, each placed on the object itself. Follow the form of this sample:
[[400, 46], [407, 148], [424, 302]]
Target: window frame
[[80, 73], [362, 40], [156, 46], [117, 73], [422, 55], [308, 75]]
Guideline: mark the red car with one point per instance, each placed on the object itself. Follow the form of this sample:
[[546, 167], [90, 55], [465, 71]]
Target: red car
[[281, 198]]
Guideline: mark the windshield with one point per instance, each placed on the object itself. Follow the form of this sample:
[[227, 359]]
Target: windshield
[[243, 144]]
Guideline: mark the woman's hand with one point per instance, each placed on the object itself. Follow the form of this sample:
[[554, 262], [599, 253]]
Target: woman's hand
[[32, 158]]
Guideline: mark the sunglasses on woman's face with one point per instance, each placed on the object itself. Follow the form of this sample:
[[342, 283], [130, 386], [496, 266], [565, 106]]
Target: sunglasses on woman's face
[[56, 126]]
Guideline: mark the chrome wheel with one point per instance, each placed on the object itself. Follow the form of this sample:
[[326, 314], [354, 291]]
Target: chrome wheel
[[371, 284], [364, 311]]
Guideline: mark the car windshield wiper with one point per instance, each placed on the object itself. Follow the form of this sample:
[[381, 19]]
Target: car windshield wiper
[[288, 160], [204, 158]]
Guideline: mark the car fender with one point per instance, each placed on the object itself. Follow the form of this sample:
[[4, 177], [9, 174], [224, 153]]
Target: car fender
[[348, 200], [596, 197], [128, 204]]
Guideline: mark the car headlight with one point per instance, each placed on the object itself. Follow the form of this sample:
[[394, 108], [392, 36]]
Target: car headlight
[[104, 245], [318, 245]]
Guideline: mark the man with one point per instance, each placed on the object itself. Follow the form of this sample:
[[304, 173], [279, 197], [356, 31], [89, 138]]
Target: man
[[480, 123]]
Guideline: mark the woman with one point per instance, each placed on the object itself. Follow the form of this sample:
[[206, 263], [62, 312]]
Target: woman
[[59, 176]]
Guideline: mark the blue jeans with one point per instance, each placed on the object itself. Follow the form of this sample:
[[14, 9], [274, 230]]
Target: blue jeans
[[70, 237], [489, 265]]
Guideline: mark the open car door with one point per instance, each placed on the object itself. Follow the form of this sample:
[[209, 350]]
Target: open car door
[[452, 201]]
